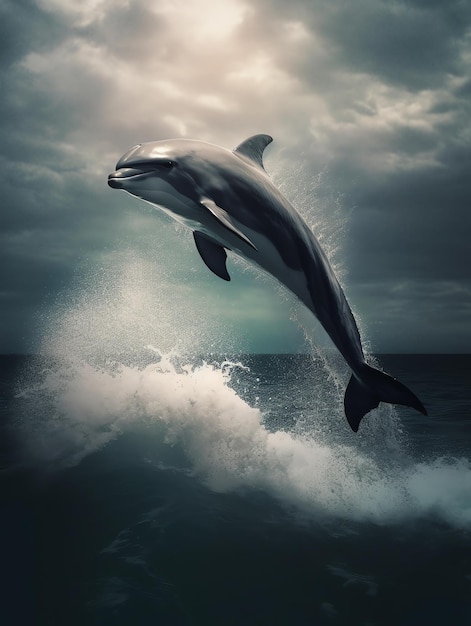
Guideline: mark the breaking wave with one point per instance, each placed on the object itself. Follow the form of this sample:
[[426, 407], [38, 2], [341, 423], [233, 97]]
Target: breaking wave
[[230, 444]]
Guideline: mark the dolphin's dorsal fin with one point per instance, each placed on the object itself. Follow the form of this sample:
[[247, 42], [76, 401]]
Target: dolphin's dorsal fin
[[225, 219], [252, 149], [212, 253]]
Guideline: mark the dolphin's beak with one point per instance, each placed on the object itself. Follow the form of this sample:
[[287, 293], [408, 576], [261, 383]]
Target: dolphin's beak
[[116, 179]]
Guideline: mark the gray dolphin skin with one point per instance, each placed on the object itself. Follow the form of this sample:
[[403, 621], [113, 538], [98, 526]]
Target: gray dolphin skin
[[230, 203]]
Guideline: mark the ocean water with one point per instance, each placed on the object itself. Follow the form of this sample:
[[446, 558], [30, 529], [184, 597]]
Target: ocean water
[[230, 491]]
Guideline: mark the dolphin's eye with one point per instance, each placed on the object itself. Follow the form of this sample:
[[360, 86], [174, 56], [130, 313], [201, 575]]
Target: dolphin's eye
[[166, 163]]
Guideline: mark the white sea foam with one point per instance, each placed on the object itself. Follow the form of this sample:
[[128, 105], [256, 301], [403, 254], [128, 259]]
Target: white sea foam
[[79, 407]]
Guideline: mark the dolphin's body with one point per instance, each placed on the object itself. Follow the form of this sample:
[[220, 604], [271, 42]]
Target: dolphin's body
[[229, 202]]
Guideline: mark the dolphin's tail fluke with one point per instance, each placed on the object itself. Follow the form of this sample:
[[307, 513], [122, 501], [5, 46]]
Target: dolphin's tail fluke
[[374, 387]]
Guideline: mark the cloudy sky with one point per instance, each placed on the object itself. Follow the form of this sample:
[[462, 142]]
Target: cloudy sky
[[369, 106]]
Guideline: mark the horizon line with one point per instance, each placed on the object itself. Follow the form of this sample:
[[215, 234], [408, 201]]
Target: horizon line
[[221, 353]]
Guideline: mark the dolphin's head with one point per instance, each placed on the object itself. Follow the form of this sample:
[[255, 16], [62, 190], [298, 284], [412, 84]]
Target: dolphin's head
[[175, 175], [158, 172], [145, 161]]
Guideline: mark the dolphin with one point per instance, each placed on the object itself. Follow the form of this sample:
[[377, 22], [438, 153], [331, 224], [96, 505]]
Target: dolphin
[[227, 199]]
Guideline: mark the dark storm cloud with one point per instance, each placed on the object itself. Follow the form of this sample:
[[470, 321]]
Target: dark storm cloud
[[443, 307], [23, 26], [401, 41], [374, 95], [395, 77], [409, 43]]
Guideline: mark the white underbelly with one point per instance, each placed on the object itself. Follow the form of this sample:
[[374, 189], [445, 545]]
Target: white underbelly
[[268, 258]]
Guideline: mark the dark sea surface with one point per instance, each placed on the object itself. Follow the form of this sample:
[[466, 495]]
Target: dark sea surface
[[208, 492]]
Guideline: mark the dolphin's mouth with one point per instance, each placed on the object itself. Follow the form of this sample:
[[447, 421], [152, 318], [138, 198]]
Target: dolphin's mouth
[[116, 179]]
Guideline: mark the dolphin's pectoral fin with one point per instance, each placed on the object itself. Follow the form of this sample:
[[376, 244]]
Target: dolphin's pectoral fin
[[225, 219], [213, 254], [252, 149]]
